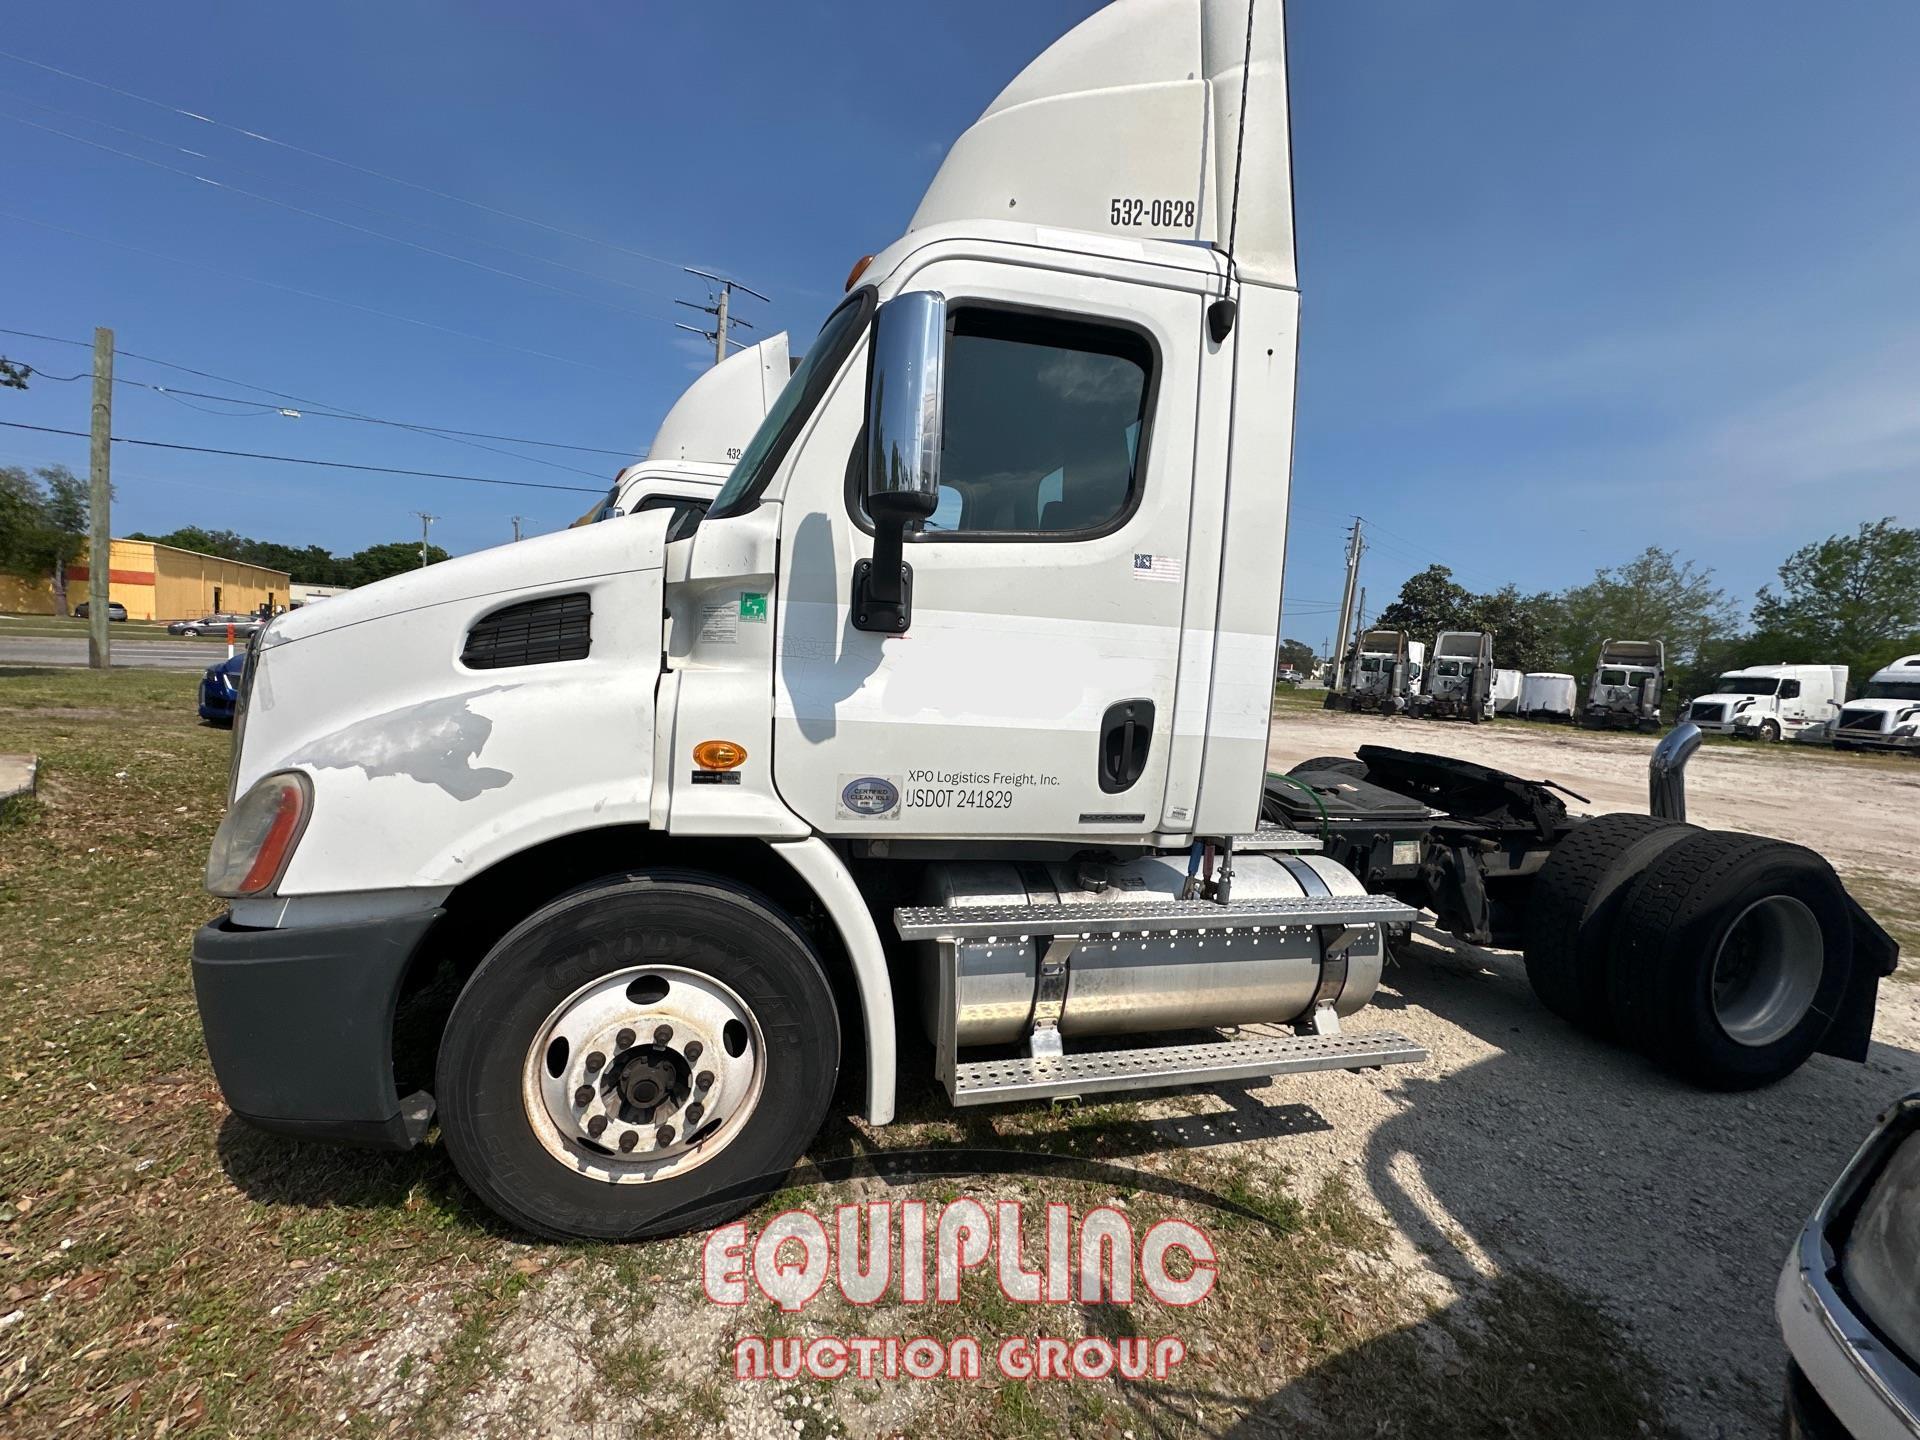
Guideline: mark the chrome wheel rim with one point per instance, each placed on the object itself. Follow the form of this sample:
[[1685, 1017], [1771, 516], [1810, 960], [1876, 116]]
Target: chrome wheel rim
[[643, 1074], [1767, 970]]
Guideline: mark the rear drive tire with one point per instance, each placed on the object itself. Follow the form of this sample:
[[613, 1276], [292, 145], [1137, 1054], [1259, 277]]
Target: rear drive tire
[[1574, 909], [617, 1023], [1733, 956]]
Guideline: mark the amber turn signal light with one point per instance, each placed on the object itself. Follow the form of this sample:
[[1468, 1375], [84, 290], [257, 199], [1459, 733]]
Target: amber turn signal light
[[859, 269], [719, 755]]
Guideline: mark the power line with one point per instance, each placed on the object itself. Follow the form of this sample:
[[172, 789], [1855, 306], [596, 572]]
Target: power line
[[329, 219], [313, 295], [303, 460], [335, 160], [345, 200]]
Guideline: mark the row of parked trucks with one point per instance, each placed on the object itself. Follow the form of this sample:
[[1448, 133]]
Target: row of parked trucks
[[1388, 674]]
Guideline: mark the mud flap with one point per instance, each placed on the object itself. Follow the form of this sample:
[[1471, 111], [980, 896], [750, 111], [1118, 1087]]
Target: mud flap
[[1875, 953]]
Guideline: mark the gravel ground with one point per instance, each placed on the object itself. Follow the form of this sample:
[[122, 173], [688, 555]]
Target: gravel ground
[[1522, 1142]]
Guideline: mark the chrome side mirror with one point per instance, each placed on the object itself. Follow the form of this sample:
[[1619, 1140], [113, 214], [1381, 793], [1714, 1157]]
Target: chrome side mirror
[[904, 403]]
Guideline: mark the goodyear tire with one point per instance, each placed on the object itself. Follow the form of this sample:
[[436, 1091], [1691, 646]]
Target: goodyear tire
[[1574, 910], [1733, 956], [646, 1055]]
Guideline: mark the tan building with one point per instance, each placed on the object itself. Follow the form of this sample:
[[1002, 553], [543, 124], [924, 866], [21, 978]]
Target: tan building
[[159, 582]]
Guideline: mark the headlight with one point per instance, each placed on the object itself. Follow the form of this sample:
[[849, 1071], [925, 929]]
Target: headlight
[[254, 842], [1881, 1254]]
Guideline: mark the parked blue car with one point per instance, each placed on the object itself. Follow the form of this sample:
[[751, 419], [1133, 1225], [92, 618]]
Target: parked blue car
[[218, 687]]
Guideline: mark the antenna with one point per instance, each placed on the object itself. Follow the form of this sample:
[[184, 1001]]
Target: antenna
[[1221, 313], [722, 319]]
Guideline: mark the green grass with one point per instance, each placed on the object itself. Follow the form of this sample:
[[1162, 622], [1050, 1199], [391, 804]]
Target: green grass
[[176, 1269]]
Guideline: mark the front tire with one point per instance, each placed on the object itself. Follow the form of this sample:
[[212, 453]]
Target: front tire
[[644, 1056], [1770, 732]]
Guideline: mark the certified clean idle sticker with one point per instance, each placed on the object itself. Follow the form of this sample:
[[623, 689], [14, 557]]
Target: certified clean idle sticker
[[869, 797]]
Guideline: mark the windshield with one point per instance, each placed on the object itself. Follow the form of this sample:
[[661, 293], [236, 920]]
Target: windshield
[[1891, 690], [1372, 663], [792, 406], [1746, 685], [1448, 667]]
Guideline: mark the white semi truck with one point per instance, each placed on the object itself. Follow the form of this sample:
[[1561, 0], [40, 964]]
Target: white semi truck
[[1458, 685], [955, 705], [1770, 702], [1629, 678], [1381, 673], [1885, 715], [699, 440]]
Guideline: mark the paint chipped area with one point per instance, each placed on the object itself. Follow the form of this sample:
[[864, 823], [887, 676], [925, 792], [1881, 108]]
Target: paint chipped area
[[437, 742]]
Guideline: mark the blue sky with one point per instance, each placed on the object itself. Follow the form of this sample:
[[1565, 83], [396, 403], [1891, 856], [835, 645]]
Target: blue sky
[[1576, 278]]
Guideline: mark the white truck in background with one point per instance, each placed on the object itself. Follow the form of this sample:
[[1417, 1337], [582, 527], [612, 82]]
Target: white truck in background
[[1629, 677], [700, 438], [686, 824], [1458, 684], [1885, 715], [1770, 702], [1381, 672]]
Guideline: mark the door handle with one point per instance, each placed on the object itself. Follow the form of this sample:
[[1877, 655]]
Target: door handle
[[1126, 738]]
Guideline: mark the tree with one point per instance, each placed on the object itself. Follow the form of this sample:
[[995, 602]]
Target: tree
[[1523, 627], [1654, 596], [44, 521], [1429, 602], [1849, 599], [1298, 654], [377, 562]]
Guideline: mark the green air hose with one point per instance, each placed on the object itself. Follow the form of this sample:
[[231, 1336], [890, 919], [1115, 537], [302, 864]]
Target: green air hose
[[1326, 827]]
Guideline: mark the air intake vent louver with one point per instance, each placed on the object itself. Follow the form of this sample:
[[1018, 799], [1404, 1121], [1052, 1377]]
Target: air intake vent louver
[[534, 632]]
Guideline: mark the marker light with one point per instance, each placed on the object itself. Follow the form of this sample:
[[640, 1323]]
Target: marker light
[[253, 844], [719, 755], [859, 269]]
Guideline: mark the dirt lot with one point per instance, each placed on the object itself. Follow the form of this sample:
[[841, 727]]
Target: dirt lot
[[1527, 1235]]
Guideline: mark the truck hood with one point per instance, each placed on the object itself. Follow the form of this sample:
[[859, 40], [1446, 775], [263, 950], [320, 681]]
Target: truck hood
[[1881, 706], [505, 570], [1727, 700]]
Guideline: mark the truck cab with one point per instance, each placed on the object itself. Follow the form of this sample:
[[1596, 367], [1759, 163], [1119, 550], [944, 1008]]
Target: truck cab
[[1628, 680], [1885, 715], [1458, 683], [1380, 674], [698, 442], [1771, 702]]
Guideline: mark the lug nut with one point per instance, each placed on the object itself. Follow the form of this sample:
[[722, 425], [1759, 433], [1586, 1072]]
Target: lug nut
[[694, 1112], [623, 1041], [662, 1034], [583, 1095], [630, 1139], [694, 1051], [704, 1080], [595, 1061], [663, 1136], [596, 1125]]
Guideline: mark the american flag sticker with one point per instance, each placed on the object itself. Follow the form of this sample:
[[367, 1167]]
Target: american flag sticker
[[1157, 567]]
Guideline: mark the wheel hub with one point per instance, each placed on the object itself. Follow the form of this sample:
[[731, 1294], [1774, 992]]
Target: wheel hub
[[643, 1072]]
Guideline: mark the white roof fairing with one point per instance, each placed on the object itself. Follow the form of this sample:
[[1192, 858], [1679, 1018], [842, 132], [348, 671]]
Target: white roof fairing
[[721, 410], [1139, 102]]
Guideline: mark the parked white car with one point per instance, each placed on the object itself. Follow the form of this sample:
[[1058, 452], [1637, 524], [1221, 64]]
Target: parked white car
[[1770, 702], [1886, 714]]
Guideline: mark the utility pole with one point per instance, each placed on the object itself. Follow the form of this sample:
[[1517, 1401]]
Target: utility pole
[[99, 504], [516, 527], [720, 310], [1355, 545], [426, 522], [1360, 613]]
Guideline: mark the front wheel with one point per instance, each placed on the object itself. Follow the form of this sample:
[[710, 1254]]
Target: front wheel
[[648, 1055], [1770, 731]]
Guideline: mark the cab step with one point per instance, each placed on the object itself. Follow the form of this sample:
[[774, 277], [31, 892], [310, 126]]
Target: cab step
[[982, 1082], [1268, 837], [952, 923]]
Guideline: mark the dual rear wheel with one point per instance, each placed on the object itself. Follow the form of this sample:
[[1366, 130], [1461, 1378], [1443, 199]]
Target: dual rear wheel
[[1722, 957]]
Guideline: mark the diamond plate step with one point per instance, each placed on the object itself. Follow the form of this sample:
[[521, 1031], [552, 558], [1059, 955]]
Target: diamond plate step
[[1142, 917], [1270, 837], [981, 1082]]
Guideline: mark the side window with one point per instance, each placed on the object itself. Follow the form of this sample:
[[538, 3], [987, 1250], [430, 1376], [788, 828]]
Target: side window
[[687, 513], [1043, 420], [1789, 689]]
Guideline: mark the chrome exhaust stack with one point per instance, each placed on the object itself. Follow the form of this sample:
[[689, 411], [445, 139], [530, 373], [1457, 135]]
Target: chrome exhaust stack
[[1667, 771]]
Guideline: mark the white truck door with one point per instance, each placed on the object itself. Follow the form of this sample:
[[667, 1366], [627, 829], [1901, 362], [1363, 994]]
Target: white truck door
[[1033, 692]]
